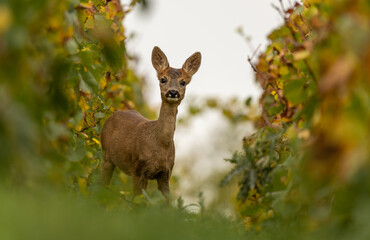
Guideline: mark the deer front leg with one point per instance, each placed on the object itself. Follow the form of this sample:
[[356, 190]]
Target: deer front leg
[[139, 183], [163, 184], [107, 172]]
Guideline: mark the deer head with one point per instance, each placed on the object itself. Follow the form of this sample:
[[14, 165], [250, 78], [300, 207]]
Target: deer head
[[173, 81]]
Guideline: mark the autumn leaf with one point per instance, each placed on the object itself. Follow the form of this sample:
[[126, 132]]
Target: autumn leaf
[[83, 105]]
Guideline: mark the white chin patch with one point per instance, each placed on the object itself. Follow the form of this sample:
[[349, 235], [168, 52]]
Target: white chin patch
[[172, 99]]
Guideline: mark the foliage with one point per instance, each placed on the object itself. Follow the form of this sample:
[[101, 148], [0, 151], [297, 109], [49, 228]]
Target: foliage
[[306, 168], [64, 71]]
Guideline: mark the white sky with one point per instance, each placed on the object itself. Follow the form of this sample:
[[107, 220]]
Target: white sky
[[182, 27]]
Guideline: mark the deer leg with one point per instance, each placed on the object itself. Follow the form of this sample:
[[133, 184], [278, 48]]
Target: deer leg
[[107, 172], [163, 184], [139, 184]]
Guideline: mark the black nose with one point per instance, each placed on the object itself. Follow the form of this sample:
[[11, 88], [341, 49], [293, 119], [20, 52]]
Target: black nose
[[173, 94]]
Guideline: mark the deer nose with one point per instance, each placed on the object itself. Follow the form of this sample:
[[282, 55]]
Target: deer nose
[[173, 94]]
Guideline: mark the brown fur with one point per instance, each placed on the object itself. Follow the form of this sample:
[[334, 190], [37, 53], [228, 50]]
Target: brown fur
[[145, 149]]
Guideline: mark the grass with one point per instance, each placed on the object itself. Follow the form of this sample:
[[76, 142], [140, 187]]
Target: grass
[[54, 215]]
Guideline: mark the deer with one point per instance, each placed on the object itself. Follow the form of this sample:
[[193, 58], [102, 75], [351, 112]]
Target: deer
[[141, 148]]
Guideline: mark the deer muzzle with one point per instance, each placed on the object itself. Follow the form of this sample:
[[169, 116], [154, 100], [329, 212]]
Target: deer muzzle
[[172, 95]]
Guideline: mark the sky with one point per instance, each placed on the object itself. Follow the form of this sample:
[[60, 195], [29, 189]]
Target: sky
[[180, 28]]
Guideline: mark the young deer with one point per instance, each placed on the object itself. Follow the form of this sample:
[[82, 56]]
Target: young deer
[[141, 148]]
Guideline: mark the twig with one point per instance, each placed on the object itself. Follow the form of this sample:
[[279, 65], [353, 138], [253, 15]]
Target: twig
[[282, 5], [254, 53], [257, 71], [85, 128], [266, 119], [279, 11]]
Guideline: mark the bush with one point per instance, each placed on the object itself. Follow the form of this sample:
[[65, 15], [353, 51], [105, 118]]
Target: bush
[[306, 168], [64, 72]]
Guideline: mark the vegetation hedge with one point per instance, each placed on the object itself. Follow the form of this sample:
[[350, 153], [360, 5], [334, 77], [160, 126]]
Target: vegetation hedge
[[306, 169]]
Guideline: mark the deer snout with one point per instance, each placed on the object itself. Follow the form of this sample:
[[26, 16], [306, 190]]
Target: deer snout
[[172, 94]]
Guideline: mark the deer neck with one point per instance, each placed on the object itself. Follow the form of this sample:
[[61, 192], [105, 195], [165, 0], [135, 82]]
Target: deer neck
[[167, 122]]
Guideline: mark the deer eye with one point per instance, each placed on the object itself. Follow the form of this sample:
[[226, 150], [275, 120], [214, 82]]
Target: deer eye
[[182, 83], [163, 80]]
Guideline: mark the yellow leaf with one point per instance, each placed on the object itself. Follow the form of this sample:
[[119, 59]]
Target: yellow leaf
[[280, 85], [89, 118], [103, 83], [284, 70], [119, 38], [300, 55], [273, 93], [116, 87], [83, 105], [5, 19], [79, 126], [111, 10], [88, 7], [97, 141], [90, 22], [285, 119]]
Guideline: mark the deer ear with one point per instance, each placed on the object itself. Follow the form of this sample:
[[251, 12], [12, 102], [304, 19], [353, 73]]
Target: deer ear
[[159, 60], [192, 64]]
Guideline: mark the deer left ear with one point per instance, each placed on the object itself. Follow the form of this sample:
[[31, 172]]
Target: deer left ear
[[192, 64], [159, 60]]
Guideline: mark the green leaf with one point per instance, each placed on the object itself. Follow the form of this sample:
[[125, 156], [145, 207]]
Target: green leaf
[[294, 91], [248, 101], [275, 110], [99, 115], [279, 33]]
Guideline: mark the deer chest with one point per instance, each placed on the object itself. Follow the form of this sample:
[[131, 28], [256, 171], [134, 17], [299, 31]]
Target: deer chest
[[154, 161]]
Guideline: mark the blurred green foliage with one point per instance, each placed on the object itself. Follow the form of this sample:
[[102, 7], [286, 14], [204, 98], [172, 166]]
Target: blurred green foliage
[[57, 216], [64, 71], [305, 173]]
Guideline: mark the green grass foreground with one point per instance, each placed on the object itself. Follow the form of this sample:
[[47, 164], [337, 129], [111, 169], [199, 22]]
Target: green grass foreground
[[54, 215]]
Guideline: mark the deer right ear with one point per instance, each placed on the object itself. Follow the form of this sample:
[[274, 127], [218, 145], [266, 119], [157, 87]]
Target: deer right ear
[[159, 60], [192, 64]]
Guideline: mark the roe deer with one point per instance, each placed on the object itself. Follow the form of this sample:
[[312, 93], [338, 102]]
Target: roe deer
[[145, 149]]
